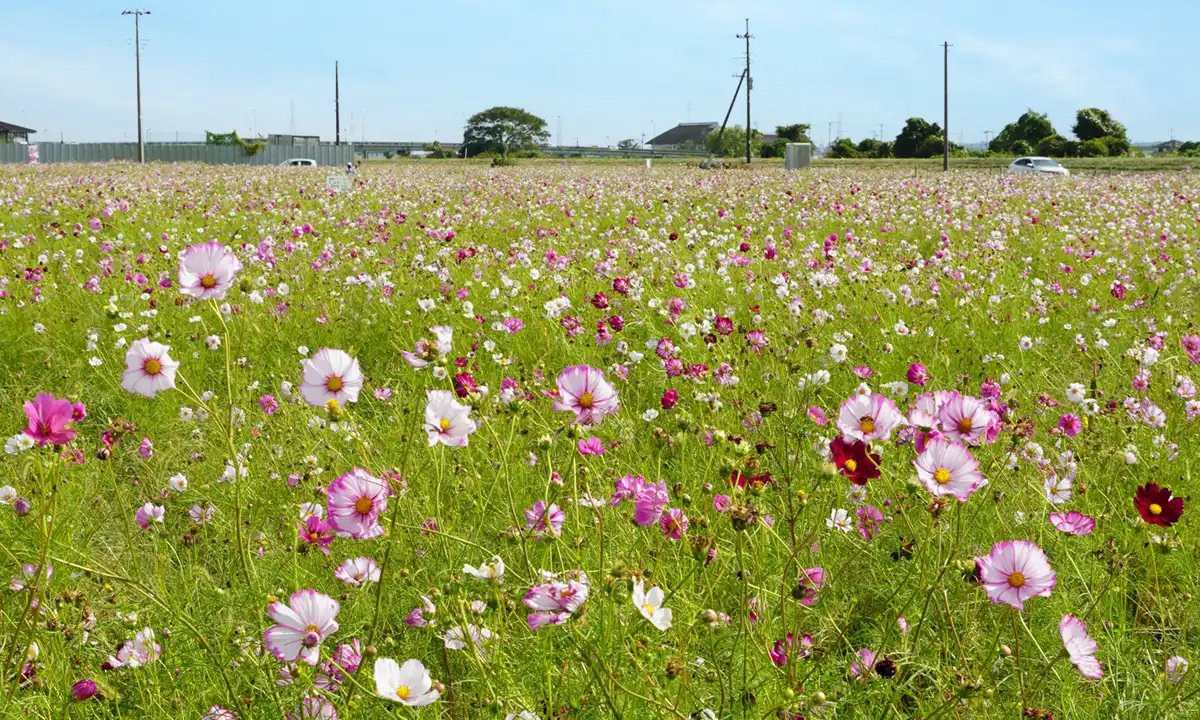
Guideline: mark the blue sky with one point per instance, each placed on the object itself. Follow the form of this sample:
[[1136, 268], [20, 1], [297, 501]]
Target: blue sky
[[610, 69]]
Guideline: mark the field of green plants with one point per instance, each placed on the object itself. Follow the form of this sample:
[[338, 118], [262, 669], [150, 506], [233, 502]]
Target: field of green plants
[[591, 442]]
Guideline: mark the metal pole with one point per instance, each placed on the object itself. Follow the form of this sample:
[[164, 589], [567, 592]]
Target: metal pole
[[946, 107], [137, 56], [749, 84], [337, 107]]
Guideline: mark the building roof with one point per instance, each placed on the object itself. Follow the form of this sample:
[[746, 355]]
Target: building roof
[[683, 132], [15, 129]]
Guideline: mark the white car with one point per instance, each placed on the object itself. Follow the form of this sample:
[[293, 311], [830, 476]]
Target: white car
[[1039, 165], [299, 162]]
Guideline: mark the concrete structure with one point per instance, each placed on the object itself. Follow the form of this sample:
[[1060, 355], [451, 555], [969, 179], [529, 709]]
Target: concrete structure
[[797, 156], [684, 136], [14, 133]]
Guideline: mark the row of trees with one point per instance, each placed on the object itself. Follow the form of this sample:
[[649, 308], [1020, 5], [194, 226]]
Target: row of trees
[[1097, 134]]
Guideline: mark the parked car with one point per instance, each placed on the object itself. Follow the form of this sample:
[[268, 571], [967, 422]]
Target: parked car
[[1039, 165], [299, 162]]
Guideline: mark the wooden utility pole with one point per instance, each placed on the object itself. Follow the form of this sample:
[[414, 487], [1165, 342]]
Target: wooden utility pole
[[337, 107], [945, 107], [749, 84], [137, 55]]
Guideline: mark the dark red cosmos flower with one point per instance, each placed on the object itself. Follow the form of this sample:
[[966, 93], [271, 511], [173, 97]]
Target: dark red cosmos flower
[[737, 479], [854, 461], [1156, 506]]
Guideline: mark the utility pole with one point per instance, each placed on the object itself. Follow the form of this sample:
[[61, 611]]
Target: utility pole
[[560, 130], [137, 55], [880, 132], [337, 107], [987, 139], [829, 134], [946, 107], [749, 84]]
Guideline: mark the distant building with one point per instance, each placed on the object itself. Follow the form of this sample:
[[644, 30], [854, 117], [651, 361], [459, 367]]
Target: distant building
[[14, 133], [684, 136], [274, 139]]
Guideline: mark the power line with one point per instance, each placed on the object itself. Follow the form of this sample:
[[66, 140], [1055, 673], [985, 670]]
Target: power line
[[137, 55]]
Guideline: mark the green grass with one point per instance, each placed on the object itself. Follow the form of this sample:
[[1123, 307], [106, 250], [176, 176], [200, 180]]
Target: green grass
[[959, 305]]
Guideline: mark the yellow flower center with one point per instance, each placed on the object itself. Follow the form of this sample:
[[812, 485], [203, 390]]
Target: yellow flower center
[[1053, 489], [1155, 509], [208, 282], [586, 401], [492, 570], [1016, 580], [402, 692], [444, 424], [648, 608], [866, 424], [851, 465], [363, 505], [152, 366], [312, 629], [334, 383], [965, 425], [941, 476]]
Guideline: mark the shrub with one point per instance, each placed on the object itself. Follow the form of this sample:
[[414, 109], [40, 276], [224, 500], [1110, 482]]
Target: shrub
[[1093, 148]]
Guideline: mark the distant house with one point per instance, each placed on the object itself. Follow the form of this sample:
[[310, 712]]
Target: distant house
[[684, 136], [14, 133], [277, 139]]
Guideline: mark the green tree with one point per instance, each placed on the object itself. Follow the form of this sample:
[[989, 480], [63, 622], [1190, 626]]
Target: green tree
[[1095, 147], [1021, 147], [501, 129], [842, 148], [911, 139], [1054, 146], [872, 148], [437, 152], [1032, 127], [797, 133], [1094, 123], [931, 146], [627, 144], [733, 142]]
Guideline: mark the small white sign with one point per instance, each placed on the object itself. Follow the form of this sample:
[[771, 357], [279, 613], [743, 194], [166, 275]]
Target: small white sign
[[337, 183]]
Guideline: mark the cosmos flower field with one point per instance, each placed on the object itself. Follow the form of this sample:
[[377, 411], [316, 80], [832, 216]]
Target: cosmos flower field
[[544, 442]]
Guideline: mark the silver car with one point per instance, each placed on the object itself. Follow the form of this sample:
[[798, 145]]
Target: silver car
[[299, 162], [1039, 165]]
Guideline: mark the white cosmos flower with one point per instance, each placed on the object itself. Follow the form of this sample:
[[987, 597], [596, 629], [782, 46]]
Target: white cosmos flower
[[149, 368], [409, 683], [331, 375], [649, 604], [490, 571], [446, 419], [178, 483]]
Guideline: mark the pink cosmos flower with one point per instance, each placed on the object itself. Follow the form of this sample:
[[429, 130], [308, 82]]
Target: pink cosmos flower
[[357, 571], [1070, 425], [870, 521], [301, 626], [1073, 523], [268, 404], [540, 518], [142, 650], [674, 523], [427, 351], [331, 375], [869, 417], [50, 420], [1015, 571], [965, 419], [554, 601], [809, 587], [1081, 648], [207, 271], [591, 446], [947, 468], [146, 449], [417, 618], [446, 419], [316, 531], [582, 390], [818, 415], [917, 374], [863, 664], [649, 503], [1176, 668], [782, 648], [149, 514], [149, 368], [355, 502]]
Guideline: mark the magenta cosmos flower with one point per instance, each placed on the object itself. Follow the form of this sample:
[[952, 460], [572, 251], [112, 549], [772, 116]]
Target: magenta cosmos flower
[[447, 421], [869, 417], [207, 271], [1073, 523], [301, 626], [584, 391], [149, 368], [1015, 571], [355, 503], [331, 375], [554, 601], [1081, 648], [541, 518], [50, 420], [965, 419], [947, 468]]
